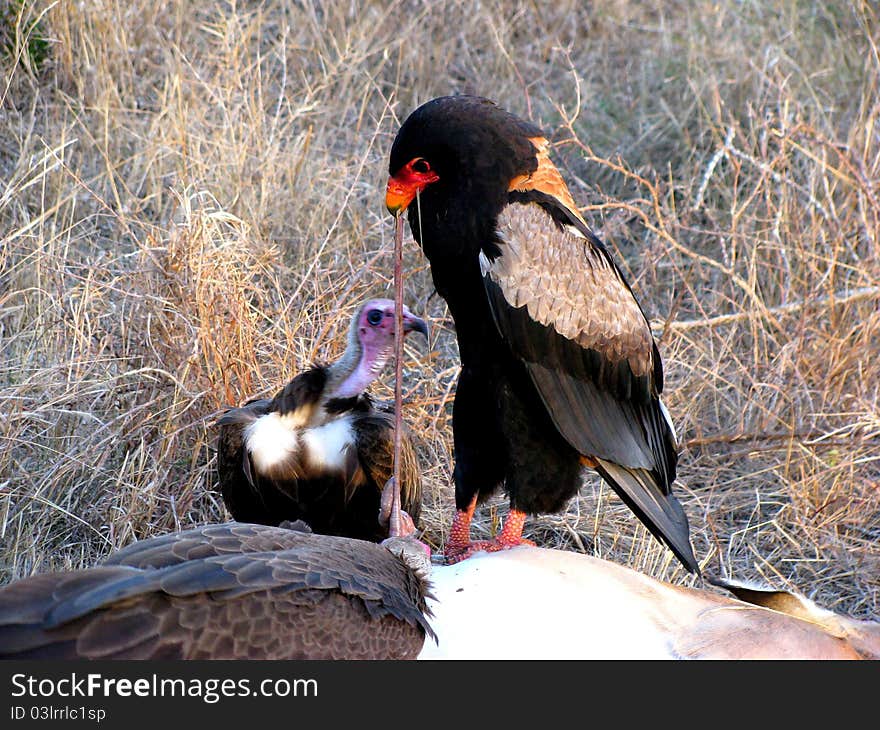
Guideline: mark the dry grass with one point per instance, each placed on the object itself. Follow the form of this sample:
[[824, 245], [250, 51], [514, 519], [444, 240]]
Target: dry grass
[[191, 207]]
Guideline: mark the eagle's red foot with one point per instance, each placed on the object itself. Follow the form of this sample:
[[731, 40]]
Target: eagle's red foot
[[459, 547], [457, 554]]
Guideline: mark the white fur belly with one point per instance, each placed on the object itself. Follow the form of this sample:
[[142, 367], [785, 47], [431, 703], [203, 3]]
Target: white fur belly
[[326, 445]]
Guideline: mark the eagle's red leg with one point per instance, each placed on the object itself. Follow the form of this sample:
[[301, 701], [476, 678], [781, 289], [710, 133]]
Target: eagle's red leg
[[460, 533], [459, 547]]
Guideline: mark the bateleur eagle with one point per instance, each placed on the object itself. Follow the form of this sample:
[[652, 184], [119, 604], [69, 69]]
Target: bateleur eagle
[[559, 368], [321, 450]]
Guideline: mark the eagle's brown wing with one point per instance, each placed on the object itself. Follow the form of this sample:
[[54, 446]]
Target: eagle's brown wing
[[565, 309], [311, 596]]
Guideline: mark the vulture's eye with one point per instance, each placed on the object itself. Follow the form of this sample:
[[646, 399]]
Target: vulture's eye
[[374, 316], [420, 165]]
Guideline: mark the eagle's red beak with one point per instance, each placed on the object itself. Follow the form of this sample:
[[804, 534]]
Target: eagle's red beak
[[406, 183], [398, 195]]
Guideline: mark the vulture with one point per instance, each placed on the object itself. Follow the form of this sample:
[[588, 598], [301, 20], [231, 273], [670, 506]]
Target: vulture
[[559, 368], [228, 591], [321, 450]]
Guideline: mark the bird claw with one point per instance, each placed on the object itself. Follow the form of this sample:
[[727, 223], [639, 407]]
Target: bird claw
[[398, 522], [401, 533], [386, 503], [456, 552]]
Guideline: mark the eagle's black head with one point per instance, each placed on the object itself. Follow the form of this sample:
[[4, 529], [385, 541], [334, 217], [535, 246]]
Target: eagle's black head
[[459, 155]]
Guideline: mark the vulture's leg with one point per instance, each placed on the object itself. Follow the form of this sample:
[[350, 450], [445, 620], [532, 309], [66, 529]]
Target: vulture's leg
[[401, 528], [391, 516]]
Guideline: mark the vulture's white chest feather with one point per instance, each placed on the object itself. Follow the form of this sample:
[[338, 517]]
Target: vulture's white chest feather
[[326, 445], [274, 440]]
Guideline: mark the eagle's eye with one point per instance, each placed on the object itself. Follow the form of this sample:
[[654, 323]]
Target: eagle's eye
[[421, 165]]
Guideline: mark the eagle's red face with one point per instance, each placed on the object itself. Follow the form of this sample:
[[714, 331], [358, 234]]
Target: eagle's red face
[[408, 182]]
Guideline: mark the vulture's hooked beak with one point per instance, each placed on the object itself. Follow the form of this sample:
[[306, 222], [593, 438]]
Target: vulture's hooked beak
[[411, 323]]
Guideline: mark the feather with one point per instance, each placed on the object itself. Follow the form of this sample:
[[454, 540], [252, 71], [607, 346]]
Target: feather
[[281, 594]]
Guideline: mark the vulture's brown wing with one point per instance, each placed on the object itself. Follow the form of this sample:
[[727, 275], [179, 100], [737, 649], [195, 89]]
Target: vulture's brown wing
[[29, 628], [374, 437], [564, 308], [234, 469], [318, 597], [228, 538]]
